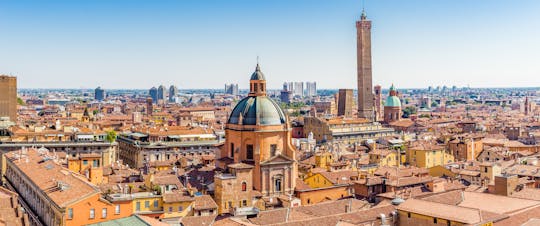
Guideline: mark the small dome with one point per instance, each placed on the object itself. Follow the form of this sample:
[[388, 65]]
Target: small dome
[[257, 108], [257, 75], [397, 201], [392, 101]]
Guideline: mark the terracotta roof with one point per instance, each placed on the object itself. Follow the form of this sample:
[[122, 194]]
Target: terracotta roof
[[450, 212], [168, 179], [204, 202], [339, 121], [176, 196], [492, 203], [47, 175], [449, 198], [519, 218], [340, 177], [198, 220]]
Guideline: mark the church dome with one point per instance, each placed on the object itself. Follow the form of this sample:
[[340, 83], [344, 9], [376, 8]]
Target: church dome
[[392, 101], [257, 110]]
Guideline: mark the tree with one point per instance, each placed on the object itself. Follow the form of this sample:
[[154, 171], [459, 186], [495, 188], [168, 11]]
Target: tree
[[111, 136], [20, 101], [410, 110]]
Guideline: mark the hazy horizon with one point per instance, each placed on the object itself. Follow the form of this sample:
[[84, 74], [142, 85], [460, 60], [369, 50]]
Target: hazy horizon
[[207, 43]]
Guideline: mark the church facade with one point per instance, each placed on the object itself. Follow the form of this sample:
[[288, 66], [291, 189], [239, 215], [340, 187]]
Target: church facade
[[258, 134]]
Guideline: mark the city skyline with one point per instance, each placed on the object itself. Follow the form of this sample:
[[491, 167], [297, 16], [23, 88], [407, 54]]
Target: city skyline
[[104, 44]]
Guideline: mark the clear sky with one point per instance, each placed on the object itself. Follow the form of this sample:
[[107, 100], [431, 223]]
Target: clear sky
[[206, 43]]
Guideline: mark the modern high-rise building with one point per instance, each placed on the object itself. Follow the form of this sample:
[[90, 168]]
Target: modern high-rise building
[[295, 88], [161, 93], [173, 92], [311, 89], [153, 94], [298, 89], [363, 51], [99, 94], [345, 103], [231, 89], [8, 97]]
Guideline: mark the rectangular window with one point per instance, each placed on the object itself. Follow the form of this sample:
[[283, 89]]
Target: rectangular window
[[244, 202], [138, 206], [146, 204], [180, 209], [117, 209], [249, 151], [104, 213], [70, 213], [170, 209], [95, 163], [232, 150], [435, 220], [85, 162], [156, 203], [273, 149], [92, 213]]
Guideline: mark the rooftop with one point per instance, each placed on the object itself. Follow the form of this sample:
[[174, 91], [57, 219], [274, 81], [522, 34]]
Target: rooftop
[[58, 183]]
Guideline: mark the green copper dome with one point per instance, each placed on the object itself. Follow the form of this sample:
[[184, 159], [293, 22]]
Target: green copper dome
[[392, 101], [261, 109]]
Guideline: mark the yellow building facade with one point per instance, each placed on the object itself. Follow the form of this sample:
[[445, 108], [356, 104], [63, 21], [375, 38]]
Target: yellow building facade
[[428, 156]]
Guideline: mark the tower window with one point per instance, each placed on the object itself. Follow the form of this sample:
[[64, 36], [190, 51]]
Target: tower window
[[244, 186], [255, 87], [273, 149], [232, 151], [249, 151]]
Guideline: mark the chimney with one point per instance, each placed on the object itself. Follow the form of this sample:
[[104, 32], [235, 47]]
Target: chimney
[[384, 221], [348, 207]]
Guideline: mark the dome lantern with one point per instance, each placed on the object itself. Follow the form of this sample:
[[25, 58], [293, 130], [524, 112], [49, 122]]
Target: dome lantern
[[257, 83]]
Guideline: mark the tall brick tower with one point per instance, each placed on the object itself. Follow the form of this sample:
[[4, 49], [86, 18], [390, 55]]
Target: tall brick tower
[[363, 51], [8, 97]]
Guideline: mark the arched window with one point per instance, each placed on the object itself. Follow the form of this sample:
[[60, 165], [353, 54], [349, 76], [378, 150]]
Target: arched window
[[278, 184], [244, 186]]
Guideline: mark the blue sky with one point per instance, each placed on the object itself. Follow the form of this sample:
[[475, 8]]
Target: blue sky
[[206, 43]]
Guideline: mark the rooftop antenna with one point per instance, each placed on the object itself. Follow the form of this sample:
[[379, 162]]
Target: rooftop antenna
[[363, 17]]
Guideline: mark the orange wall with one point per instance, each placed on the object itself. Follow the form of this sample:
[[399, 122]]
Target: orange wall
[[316, 196], [81, 211]]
